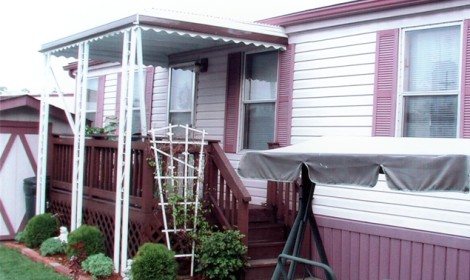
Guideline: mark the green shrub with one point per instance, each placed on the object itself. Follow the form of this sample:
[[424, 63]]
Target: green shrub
[[52, 246], [99, 265], [221, 254], [154, 261], [19, 237], [40, 228], [85, 241]]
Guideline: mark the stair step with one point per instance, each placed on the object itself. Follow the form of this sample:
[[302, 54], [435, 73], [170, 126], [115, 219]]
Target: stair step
[[263, 250], [263, 269], [266, 232], [261, 214]]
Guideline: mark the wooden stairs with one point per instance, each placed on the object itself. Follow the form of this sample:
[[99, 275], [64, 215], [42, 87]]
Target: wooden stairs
[[266, 239]]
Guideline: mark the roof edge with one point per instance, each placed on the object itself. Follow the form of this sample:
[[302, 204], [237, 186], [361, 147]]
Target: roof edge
[[253, 31], [341, 10], [91, 33]]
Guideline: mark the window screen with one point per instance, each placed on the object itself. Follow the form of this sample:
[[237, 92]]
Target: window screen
[[260, 90], [431, 82], [181, 103]]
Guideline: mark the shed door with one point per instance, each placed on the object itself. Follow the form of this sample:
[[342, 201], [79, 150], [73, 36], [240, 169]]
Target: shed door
[[18, 155]]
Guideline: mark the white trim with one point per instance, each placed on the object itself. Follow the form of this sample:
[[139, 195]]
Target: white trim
[[401, 94]]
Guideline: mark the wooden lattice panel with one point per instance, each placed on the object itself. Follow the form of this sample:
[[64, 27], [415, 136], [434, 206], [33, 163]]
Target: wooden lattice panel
[[142, 227], [105, 223]]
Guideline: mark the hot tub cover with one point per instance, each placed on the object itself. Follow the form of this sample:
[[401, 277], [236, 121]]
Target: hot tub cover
[[409, 164]]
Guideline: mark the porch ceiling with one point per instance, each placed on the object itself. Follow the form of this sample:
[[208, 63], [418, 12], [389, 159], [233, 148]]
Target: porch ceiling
[[166, 33]]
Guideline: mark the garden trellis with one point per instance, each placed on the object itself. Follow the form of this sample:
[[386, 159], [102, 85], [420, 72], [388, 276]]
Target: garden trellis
[[179, 173]]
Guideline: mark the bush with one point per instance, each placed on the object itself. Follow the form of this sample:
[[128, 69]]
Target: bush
[[85, 241], [52, 246], [154, 261], [99, 265], [20, 237], [40, 228], [221, 254]]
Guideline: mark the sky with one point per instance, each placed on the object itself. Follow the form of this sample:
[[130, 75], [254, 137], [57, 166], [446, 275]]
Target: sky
[[25, 25]]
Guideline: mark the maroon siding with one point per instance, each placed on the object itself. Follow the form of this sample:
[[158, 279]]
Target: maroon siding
[[284, 98], [359, 250], [232, 102], [465, 116], [385, 87]]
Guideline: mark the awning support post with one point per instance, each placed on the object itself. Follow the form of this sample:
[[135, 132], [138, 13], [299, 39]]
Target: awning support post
[[41, 172], [296, 236], [78, 171]]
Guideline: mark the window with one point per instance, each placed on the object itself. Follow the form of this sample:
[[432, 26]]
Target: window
[[92, 100], [431, 81], [259, 99], [136, 120], [181, 95]]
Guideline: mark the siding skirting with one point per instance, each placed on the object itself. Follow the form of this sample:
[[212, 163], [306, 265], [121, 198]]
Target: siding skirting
[[359, 250]]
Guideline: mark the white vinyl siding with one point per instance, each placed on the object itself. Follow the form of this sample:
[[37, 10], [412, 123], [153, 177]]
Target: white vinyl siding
[[333, 86], [333, 95], [160, 98], [210, 99], [210, 111]]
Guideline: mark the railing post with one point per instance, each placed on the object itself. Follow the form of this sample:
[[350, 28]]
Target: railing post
[[147, 182], [271, 194], [242, 220], [210, 176]]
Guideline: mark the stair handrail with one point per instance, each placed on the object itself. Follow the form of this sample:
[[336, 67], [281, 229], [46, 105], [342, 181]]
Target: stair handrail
[[226, 191]]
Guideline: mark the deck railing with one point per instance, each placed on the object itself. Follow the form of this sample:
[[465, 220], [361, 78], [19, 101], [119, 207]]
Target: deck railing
[[222, 188], [225, 191], [283, 198], [101, 170]]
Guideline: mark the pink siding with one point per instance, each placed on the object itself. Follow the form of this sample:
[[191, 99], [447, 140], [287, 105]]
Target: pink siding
[[232, 102], [465, 116], [358, 250], [118, 94], [385, 87], [284, 98], [100, 101]]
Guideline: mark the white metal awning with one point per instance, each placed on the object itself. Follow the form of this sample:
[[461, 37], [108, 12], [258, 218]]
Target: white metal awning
[[166, 33]]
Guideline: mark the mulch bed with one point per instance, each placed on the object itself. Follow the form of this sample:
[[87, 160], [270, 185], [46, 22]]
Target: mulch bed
[[58, 262]]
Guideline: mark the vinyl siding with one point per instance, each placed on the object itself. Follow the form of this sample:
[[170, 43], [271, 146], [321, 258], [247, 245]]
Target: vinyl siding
[[110, 89], [333, 94], [333, 86], [210, 108], [160, 98]]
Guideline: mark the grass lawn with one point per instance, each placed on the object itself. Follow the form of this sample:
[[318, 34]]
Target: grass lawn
[[15, 266]]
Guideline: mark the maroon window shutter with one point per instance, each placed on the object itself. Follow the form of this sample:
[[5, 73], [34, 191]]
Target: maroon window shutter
[[232, 102], [149, 77], [465, 116], [100, 101], [385, 87], [284, 97]]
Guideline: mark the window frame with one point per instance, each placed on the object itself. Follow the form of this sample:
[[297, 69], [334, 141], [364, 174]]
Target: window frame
[[402, 78], [243, 101], [194, 91]]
